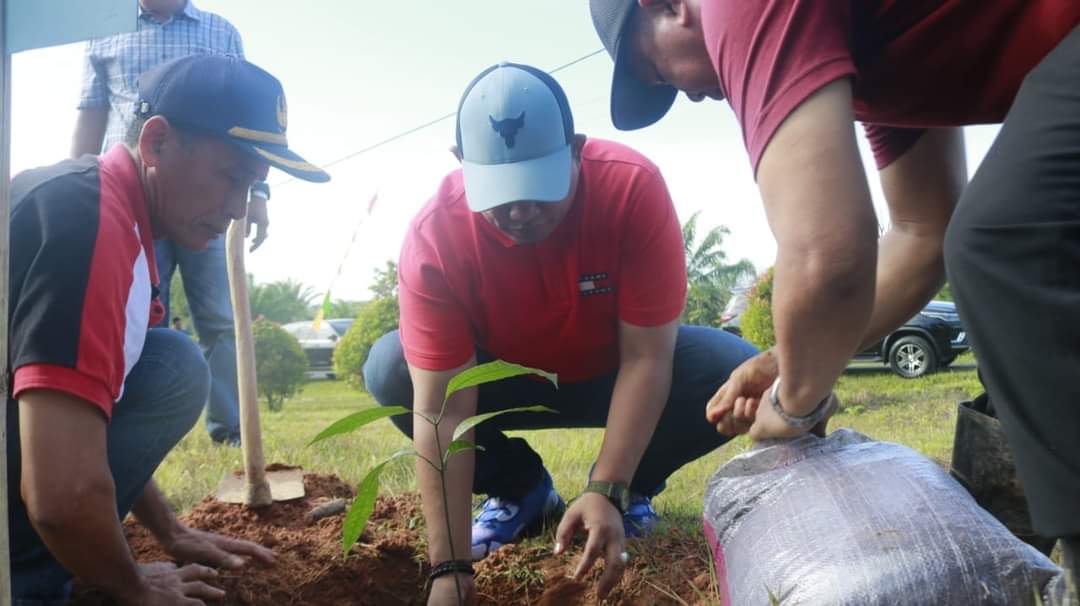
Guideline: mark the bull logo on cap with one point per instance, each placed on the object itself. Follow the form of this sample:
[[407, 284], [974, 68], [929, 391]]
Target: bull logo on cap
[[508, 128], [282, 113]]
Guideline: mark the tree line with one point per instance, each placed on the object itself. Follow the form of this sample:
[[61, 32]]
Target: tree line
[[711, 278]]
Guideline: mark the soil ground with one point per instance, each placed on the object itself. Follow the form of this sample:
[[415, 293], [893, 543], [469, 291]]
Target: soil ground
[[389, 565]]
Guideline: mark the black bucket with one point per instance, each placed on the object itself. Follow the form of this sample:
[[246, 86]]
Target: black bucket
[[983, 463]]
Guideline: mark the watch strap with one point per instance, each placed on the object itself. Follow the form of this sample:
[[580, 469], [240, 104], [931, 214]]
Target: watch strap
[[616, 492], [823, 409]]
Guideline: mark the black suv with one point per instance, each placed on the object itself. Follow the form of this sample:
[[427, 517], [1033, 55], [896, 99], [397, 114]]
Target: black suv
[[928, 342]]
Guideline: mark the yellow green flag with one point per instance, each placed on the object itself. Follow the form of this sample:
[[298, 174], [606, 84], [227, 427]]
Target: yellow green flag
[[324, 311]]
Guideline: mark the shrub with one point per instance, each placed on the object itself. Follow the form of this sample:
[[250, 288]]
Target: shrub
[[756, 322], [280, 364], [377, 318]]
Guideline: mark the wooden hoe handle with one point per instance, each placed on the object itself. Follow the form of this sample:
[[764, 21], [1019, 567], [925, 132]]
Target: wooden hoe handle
[[258, 490]]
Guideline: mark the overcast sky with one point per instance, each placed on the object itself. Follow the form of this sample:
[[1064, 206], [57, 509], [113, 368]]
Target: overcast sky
[[356, 73]]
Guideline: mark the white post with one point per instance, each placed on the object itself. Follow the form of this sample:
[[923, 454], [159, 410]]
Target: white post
[[5, 221]]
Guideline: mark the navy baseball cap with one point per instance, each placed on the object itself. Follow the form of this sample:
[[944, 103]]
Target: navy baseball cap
[[515, 133], [228, 97], [634, 104]]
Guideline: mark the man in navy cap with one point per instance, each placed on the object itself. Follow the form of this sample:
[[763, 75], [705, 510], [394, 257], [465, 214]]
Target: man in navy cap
[[98, 398], [564, 254], [167, 30]]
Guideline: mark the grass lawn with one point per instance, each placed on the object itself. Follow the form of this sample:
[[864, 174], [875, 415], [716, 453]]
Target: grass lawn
[[920, 413]]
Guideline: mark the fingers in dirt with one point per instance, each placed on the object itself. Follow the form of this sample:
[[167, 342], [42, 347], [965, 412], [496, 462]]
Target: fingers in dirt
[[197, 572], [564, 534], [593, 551], [255, 551], [613, 569], [202, 591]]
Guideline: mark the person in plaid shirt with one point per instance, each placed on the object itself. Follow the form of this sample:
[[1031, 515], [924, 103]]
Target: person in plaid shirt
[[167, 30]]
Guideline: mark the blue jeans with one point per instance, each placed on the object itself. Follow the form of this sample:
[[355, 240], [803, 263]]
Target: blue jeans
[[508, 467], [163, 396], [206, 284]]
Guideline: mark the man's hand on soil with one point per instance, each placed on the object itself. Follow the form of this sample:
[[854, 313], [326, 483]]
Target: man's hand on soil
[[595, 514], [163, 584], [444, 590], [736, 403], [193, 545]]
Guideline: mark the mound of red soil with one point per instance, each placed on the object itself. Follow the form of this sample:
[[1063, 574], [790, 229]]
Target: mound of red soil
[[389, 564]]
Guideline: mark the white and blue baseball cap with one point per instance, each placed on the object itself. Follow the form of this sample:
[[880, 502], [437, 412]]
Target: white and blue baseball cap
[[514, 130]]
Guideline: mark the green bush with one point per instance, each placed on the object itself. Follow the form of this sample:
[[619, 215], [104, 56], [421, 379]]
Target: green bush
[[756, 322], [377, 318], [280, 364]]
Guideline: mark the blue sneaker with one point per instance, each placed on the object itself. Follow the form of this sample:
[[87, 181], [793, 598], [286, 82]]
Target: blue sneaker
[[640, 518], [503, 521]]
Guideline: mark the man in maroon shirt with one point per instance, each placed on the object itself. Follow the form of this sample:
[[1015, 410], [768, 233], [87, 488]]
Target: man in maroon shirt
[[798, 74]]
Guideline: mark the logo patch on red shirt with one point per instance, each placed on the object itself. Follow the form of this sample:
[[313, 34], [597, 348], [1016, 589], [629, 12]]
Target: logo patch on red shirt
[[594, 284]]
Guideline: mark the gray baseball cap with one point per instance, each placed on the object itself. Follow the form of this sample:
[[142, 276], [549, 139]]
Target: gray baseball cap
[[634, 104], [514, 130]]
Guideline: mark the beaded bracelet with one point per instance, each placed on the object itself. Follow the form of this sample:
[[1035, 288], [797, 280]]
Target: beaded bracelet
[[451, 567]]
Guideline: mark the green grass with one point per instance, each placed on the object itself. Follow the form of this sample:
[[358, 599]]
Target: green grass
[[920, 413]]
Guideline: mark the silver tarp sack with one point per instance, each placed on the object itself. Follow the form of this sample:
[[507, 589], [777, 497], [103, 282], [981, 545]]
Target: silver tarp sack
[[849, 521]]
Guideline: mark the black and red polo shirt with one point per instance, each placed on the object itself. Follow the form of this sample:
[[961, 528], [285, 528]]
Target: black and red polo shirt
[[83, 289]]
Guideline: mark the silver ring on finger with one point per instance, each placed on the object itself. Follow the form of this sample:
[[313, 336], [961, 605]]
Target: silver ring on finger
[[625, 557]]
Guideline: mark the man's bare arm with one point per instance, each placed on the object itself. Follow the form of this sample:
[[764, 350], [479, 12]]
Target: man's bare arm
[[89, 131], [69, 492], [818, 205], [921, 188], [429, 388], [646, 355]]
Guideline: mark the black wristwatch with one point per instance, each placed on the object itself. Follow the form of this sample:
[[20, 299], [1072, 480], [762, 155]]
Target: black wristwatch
[[616, 492]]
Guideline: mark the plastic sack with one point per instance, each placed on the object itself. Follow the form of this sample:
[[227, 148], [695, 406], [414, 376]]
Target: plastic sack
[[848, 521]]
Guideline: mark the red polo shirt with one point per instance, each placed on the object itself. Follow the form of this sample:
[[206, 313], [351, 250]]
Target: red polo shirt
[[914, 64], [556, 304]]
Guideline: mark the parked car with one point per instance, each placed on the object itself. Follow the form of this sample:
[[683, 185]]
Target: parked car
[[319, 345], [736, 305], [930, 341]]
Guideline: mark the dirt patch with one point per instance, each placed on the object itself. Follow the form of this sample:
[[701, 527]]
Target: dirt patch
[[389, 564]]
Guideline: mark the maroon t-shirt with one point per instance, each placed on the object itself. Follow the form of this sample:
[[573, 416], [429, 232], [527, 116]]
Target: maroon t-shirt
[[914, 64]]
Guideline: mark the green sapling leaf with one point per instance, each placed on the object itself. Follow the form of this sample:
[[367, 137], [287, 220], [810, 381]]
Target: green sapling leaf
[[358, 420]]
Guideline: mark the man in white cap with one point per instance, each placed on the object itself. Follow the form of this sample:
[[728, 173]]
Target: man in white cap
[[563, 254]]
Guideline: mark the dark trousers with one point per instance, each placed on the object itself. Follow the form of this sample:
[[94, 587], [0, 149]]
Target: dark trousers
[[163, 396], [508, 467], [1013, 259]]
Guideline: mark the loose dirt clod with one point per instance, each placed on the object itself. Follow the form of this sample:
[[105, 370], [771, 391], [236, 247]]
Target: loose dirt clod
[[388, 566]]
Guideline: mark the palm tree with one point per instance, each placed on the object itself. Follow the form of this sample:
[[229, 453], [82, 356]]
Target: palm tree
[[709, 275], [343, 308], [282, 301]]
